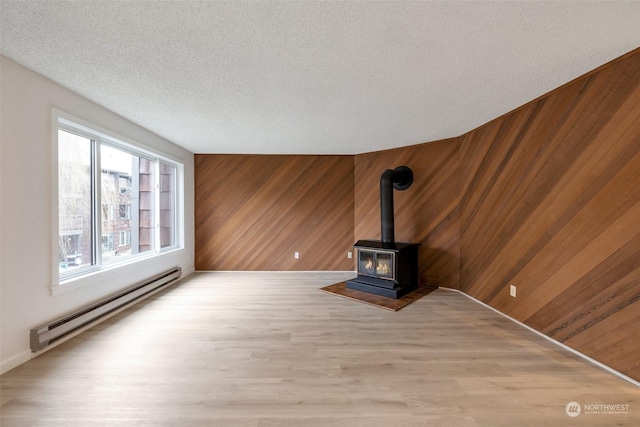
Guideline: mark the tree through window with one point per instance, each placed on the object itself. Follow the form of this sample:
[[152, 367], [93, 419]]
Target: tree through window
[[114, 203]]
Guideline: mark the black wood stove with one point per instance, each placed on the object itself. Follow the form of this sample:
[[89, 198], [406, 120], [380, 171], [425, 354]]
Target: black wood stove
[[386, 270], [385, 267]]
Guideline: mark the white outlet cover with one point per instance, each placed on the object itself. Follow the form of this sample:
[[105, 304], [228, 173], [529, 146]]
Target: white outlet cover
[[349, 254], [296, 255], [512, 291]]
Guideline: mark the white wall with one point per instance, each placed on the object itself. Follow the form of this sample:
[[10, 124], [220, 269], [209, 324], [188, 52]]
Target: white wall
[[26, 100]]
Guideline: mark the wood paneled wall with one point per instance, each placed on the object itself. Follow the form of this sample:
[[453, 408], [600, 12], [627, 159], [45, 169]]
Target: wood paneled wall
[[253, 212], [546, 197], [551, 203], [425, 213]]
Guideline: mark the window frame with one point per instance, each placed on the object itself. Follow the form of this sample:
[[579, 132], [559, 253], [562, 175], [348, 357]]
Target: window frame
[[124, 212], [124, 238], [98, 137]]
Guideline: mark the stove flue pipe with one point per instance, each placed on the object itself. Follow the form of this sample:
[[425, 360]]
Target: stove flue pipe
[[399, 178]]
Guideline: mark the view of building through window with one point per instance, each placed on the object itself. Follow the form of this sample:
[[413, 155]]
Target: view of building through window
[[126, 181], [138, 208]]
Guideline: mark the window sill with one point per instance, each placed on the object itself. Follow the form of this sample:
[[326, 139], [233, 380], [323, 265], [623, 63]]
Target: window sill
[[110, 272]]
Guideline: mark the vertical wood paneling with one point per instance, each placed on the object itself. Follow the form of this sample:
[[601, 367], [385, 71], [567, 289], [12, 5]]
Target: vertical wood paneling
[[253, 212], [551, 203], [426, 213]]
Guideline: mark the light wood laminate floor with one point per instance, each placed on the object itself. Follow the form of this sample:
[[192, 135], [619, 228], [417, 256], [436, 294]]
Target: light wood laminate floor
[[269, 349]]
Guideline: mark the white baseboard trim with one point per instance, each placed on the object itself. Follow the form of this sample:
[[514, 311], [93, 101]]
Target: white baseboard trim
[[187, 272], [25, 356], [548, 338], [15, 361]]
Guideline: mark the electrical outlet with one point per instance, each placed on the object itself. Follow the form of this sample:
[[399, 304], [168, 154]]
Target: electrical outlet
[[296, 255], [349, 254], [512, 291]]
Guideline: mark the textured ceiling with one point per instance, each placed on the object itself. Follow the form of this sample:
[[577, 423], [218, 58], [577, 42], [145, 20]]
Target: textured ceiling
[[313, 77]]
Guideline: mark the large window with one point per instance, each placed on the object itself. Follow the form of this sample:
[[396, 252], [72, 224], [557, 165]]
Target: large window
[[116, 201], [75, 200]]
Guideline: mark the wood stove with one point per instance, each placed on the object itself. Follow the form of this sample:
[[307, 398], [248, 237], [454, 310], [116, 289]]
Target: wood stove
[[386, 270], [389, 270], [385, 267]]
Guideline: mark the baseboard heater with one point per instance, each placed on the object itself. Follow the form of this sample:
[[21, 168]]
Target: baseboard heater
[[47, 334]]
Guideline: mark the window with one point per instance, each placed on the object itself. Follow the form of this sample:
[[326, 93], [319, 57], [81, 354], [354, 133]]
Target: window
[[124, 212], [125, 238], [75, 200], [107, 243], [125, 183], [108, 212], [116, 201], [167, 205]]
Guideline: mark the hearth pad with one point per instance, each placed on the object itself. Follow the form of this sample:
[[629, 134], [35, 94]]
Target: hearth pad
[[340, 289]]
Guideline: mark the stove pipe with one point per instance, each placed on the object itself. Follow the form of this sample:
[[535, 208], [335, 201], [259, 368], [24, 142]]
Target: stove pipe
[[399, 178]]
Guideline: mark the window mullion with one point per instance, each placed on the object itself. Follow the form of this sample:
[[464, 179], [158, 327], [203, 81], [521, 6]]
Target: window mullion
[[156, 200], [96, 203]]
